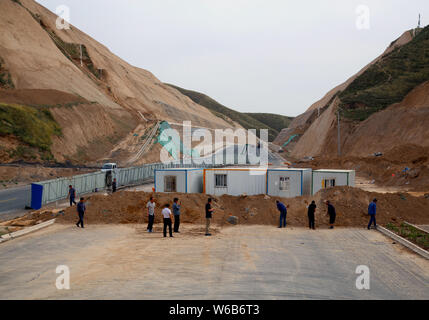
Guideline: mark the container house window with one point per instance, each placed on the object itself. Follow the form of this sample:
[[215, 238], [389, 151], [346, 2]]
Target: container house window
[[170, 184], [284, 183], [328, 183], [221, 181]]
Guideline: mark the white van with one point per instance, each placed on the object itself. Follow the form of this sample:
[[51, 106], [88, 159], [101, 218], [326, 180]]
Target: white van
[[109, 167]]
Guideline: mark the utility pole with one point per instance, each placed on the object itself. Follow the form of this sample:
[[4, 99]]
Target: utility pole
[[339, 134], [418, 26]]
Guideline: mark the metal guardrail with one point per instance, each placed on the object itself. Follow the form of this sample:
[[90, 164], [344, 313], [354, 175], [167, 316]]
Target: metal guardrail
[[57, 189]]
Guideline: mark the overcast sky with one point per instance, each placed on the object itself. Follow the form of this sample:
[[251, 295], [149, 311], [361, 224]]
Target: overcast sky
[[275, 56]]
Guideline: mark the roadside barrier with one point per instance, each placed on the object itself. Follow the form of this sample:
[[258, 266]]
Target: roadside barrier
[[49, 191]]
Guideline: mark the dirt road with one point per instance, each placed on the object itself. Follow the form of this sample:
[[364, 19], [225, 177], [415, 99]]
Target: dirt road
[[244, 262]]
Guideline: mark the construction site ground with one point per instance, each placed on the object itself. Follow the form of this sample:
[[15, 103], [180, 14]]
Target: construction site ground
[[241, 262], [115, 258]]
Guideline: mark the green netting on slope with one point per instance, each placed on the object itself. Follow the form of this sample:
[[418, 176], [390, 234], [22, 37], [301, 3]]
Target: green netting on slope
[[170, 140], [290, 140]]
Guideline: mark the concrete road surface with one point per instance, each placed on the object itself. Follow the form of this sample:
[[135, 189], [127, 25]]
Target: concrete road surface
[[13, 200], [243, 262]]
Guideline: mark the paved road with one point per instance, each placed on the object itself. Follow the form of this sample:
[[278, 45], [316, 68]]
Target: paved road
[[13, 200], [244, 262]]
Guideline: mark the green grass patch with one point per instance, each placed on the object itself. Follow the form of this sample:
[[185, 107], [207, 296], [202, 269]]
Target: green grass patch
[[410, 233], [274, 121], [33, 126], [389, 80]]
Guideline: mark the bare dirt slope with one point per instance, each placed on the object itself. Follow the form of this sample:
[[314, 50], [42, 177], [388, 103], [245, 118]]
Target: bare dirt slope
[[400, 124], [106, 96]]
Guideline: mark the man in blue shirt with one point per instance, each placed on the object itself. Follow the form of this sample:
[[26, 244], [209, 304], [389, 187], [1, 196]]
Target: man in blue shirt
[[81, 211], [176, 213], [372, 211], [283, 213], [72, 195]]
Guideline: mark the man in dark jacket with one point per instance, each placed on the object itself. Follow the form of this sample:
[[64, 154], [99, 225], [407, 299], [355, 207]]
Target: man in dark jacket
[[332, 214], [176, 214], [311, 212], [81, 212], [114, 185], [372, 211], [209, 215], [283, 213]]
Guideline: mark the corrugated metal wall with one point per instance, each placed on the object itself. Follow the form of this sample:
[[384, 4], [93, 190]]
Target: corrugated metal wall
[[238, 182], [57, 189], [299, 183], [342, 178]]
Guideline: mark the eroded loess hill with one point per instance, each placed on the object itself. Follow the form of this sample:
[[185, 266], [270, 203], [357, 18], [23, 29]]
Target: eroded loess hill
[[385, 105], [96, 104]]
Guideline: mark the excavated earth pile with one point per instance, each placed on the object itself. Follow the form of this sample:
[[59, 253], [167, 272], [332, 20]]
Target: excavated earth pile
[[405, 166], [351, 204]]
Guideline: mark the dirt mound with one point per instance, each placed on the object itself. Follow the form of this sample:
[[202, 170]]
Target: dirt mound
[[405, 166], [409, 153], [351, 204]]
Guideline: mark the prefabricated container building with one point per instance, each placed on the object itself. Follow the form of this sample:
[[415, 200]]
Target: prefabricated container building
[[323, 179], [288, 183], [186, 180], [235, 181]]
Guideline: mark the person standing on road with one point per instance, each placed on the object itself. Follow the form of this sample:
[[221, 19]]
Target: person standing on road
[[209, 215], [311, 211], [283, 213], [166, 213], [372, 211], [150, 214], [81, 208], [332, 214], [72, 195], [114, 185], [176, 213]]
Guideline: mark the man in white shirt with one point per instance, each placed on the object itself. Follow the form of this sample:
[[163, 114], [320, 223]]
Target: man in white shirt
[[151, 214], [166, 213]]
